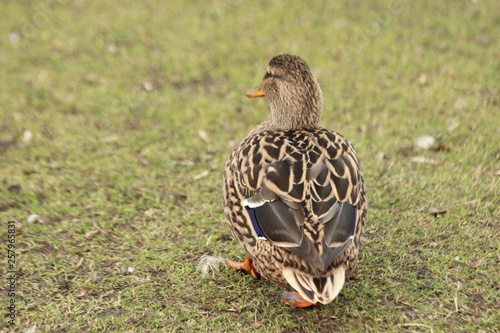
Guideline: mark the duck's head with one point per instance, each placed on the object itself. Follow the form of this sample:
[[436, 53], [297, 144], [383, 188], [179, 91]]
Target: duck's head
[[293, 94]]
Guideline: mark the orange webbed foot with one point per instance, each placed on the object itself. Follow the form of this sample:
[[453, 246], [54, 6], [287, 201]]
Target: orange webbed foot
[[294, 299], [246, 265]]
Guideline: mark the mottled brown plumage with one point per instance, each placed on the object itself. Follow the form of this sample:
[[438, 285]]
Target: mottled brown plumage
[[293, 192]]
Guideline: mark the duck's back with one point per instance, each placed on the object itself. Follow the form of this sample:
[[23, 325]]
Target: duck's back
[[295, 201]]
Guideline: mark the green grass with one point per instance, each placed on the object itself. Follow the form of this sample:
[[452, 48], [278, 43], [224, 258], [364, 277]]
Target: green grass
[[115, 96]]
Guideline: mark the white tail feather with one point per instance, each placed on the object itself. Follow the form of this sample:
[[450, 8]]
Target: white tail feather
[[305, 285]]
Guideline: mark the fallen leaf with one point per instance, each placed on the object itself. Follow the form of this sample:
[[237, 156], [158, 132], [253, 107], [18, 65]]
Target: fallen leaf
[[201, 175], [203, 135], [234, 308], [180, 196], [91, 234], [85, 169], [436, 211], [423, 159]]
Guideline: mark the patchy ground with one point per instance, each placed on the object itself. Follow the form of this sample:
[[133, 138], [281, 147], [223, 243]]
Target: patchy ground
[[117, 120]]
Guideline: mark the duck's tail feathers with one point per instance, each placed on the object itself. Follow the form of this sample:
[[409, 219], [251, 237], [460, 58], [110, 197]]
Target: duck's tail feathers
[[323, 289]]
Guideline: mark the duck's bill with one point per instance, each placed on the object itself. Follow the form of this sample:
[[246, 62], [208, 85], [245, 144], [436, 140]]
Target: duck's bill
[[255, 92]]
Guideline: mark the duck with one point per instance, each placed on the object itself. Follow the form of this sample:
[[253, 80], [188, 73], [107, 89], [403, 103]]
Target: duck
[[294, 194]]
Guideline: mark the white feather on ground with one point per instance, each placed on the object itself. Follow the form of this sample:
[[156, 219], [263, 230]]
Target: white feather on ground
[[208, 264]]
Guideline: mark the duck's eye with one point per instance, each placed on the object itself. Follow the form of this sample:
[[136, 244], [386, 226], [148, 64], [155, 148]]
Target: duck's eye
[[269, 73]]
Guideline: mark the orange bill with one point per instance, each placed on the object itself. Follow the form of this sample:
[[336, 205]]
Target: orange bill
[[255, 92]]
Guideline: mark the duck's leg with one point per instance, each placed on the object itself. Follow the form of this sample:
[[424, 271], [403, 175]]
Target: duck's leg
[[246, 265], [294, 299]]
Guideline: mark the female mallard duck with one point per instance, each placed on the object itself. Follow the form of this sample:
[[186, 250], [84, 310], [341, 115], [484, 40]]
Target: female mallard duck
[[293, 192]]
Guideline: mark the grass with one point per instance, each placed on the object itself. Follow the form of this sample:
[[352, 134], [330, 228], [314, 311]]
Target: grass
[[117, 120]]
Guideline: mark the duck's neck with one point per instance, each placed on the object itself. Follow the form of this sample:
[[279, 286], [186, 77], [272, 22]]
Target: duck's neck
[[303, 115], [288, 121]]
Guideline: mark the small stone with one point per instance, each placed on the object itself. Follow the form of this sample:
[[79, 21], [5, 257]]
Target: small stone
[[425, 142], [148, 86], [422, 79], [27, 136], [32, 218]]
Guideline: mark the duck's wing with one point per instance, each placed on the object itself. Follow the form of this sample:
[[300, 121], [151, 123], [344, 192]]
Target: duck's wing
[[299, 191]]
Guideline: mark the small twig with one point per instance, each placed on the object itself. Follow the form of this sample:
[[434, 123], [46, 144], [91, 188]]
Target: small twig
[[79, 263], [419, 325], [456, 296]]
